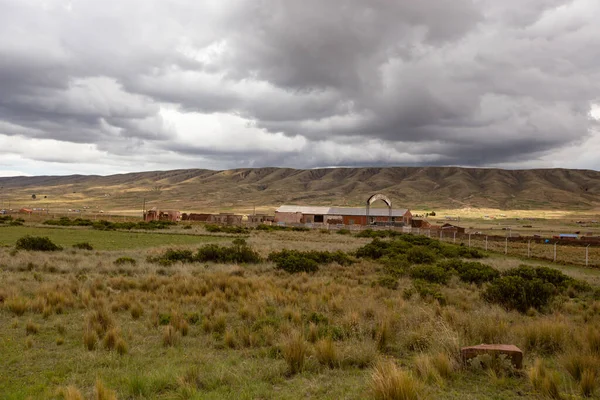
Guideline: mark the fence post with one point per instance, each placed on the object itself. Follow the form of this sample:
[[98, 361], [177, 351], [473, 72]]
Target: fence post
[[454, 239], [555, 251], [486, 243], [469, 240], [441, 235], [586, 254], [506, 246], [529, 249]]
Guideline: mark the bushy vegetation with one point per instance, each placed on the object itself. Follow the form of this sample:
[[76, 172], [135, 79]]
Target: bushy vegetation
[[213, 228], [470, 271], [526, 287], [107, 225], [307, 261], [36, 243], [239, 253], [418, 249], [83, 246], [272, 228], [430, 273], [7, 219]]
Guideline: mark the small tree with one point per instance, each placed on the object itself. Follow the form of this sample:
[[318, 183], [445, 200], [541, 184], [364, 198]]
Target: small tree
[[33, 196]]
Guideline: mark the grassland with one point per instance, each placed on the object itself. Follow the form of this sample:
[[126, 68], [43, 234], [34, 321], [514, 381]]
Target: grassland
[[104, 240], [80, 323]]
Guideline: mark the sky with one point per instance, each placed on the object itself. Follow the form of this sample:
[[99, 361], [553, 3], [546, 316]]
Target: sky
[[104, 87]]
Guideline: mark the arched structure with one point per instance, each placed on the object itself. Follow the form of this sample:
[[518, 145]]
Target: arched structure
[[383, 198]]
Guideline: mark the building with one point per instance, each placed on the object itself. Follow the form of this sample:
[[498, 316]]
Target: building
[[449, 228], [291, 214], [157, 215]]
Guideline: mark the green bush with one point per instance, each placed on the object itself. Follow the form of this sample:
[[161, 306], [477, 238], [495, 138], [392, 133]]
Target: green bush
[[295, 262], [469, 271], [239, 252], [429, 291], [236, 230], [430, 273], [36, 243], [289, 259], [397, 265], [388, 281], [343, 232], [83, 246], [5, 218], [550, 275], [517, 293], [374, 250], [420, 255], [125, 260]]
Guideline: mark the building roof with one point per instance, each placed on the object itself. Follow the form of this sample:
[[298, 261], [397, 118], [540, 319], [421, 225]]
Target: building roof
[[304, 209], [353, 211]]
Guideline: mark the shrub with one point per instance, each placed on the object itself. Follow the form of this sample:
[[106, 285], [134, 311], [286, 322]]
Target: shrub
[[295, 262], [388, 382], [125, 260], [526, 287], [420, 255], [83, 246], [430, 273], [429, 291], [517, 293], [307, 261], [343, 232], [397, 265], [471, 272], [388, 281], [36, 243], [239, 252], [374, 250]]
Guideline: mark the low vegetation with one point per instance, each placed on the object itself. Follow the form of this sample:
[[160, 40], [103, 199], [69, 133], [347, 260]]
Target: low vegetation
[[283, 314], [36, 243]]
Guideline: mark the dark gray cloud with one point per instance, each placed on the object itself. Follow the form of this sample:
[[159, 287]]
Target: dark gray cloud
[[228, 83]]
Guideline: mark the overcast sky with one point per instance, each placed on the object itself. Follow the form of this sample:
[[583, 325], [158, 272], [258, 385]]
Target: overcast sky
[[102, 87]]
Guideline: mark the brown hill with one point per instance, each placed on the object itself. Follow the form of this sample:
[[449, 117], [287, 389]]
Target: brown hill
[[267, 188]]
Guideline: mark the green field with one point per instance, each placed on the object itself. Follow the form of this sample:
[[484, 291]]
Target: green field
[[78, 324], [103, 240]]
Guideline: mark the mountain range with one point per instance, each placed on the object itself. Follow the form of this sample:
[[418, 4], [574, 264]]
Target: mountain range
[[264, 189]]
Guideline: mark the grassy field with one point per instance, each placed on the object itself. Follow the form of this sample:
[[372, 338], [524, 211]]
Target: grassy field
[[80, 324], [103, 240]]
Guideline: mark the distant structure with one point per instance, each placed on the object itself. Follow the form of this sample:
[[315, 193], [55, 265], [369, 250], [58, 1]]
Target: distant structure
[[292, 214], [157, 215]]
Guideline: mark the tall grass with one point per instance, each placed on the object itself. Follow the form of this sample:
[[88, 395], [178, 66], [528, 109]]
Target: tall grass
[[388, 382]]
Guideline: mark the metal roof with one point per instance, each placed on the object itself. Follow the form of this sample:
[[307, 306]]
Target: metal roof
[[304, 210], [355, 211]]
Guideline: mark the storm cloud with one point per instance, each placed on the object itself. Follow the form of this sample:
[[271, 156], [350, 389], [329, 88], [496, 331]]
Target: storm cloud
[[103, 87]]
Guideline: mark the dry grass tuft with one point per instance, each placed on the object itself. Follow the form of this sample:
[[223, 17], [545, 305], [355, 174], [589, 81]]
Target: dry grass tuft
[[294, 349], [71, 393], [136, 311], [17, 305], [111, 338], [121, 347], [593, 339], [327, 353], [101, 392], [388, 382], [170, 336], [544, 381], [90, 339], [588, 383], [31, 328], [546, 337]]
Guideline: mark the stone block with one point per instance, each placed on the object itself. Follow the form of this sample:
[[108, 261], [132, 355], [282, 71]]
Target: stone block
[[512, 352]]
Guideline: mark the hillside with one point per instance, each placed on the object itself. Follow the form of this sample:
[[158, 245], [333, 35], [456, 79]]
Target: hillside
[[267, 188]]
